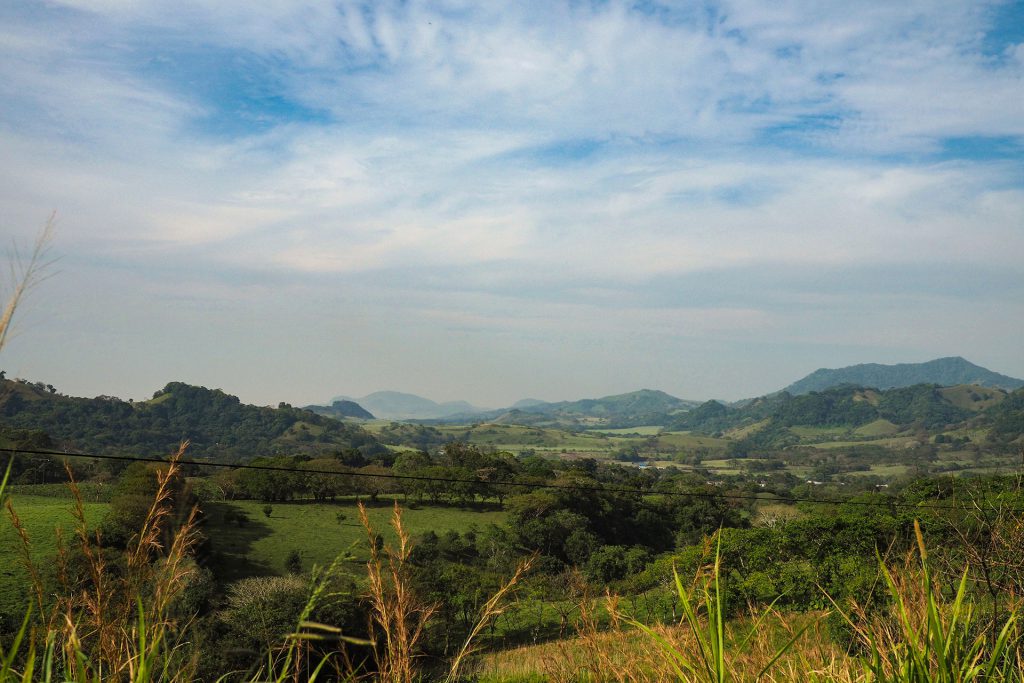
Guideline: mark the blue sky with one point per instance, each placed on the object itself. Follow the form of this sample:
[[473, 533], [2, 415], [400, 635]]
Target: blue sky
[[496, 200]]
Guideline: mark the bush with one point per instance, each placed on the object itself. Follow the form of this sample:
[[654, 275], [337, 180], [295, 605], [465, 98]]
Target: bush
[[293, 563]]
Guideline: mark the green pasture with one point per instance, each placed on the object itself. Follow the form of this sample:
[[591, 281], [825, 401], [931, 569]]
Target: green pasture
[[810, 433], [877, 428], [262, 544], [895, 443], [743, 432], [41, 516], [647, 430], [520, 436], [690, 441], [886, 471], [721, 466]]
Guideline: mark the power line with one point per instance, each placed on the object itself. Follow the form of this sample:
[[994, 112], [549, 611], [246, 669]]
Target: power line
[[452, 480]]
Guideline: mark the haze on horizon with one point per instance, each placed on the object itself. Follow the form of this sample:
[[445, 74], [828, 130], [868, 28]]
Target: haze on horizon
[[492, 201]]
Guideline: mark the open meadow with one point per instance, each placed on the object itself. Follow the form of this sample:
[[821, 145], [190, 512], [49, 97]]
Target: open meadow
[[40, 516], [320, 532]]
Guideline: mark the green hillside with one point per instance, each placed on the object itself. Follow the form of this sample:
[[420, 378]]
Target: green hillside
[[217, 424], [783, 419]]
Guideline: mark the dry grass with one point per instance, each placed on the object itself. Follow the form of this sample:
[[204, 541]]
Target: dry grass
[[26, 274], [398, 616], [626, 654], [493, 608], [922, 637]]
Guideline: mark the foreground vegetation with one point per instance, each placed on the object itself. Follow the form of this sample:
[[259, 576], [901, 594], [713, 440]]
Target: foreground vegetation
[[845, 591]]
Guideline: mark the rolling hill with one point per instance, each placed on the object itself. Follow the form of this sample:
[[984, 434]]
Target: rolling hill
[[768, 422]]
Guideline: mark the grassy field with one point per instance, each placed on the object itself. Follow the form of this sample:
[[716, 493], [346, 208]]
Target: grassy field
[[41, 515], [721, 466], [743, 432], [895, 443], [648, 430], [516, 438], [972, 397], [689, 441], [262, 545], [876, 429], [822, 433]]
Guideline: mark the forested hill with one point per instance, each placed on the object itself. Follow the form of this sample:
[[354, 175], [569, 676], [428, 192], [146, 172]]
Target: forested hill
[[218, 425], [926, 407], [942, 371]]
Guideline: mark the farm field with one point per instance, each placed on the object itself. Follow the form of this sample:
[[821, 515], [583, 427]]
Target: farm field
[[521, 436], [822, 433], [41, 515], [647, 430], [688, 440], [262, 545], [894, 443]]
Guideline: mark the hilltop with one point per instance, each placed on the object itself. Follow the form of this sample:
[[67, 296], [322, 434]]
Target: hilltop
[[942, 371]]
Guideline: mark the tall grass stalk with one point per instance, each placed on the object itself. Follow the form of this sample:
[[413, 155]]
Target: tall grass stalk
[[26, 274], [398, 616], [291, 661], [113, 624], [930, 639], [494, 607], [707, 659]]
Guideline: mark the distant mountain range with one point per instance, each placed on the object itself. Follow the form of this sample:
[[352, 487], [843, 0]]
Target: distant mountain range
[[629, 409], [395, 405], [619, 410], [942, 371], [652, 407]]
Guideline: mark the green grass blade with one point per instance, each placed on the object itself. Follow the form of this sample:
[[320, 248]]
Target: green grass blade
[[8, 658], [767, 612], [716, 620], [783, 650], [7, 476], [690, 616]]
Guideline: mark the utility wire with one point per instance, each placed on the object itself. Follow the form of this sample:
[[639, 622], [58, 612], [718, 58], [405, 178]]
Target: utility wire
[[522, 484]]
